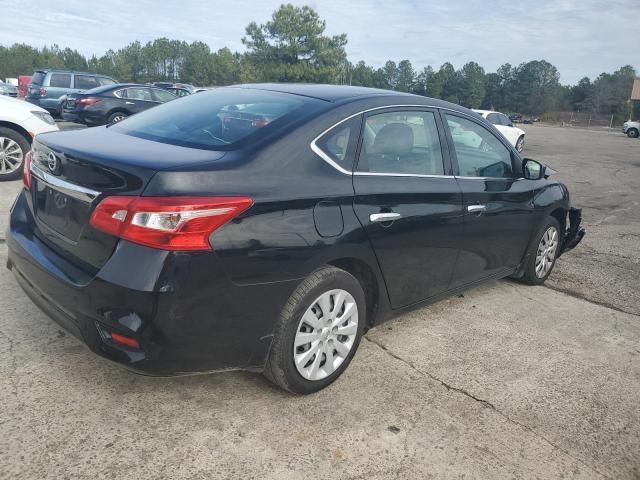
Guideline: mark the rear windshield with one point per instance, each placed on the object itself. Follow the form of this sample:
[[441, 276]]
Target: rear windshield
[[219, 119], [38, 78]]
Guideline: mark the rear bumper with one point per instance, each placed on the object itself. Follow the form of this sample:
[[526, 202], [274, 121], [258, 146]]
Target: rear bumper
[[187, 316], [574, 234]]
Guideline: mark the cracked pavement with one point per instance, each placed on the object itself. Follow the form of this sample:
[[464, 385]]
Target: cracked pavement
[[508, 381]]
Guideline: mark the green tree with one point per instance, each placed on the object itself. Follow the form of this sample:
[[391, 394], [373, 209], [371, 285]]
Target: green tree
[[292, 47], [406, 76], [471, 85]]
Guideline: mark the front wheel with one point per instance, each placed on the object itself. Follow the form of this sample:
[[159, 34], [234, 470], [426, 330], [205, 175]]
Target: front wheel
[[318, 332], [632, 133], [520, 144], [13, 149], [543, 253]]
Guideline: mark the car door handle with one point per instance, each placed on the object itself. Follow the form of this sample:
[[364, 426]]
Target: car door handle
[[130, 103], [476, 208], [384, 217]]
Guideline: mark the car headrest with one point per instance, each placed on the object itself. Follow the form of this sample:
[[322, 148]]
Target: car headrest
[[393, 138]]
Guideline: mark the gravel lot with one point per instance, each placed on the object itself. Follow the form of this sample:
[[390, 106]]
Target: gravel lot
[[507, 381]]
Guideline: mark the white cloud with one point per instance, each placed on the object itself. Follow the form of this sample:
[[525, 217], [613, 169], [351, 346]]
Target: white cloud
[[580, 37]]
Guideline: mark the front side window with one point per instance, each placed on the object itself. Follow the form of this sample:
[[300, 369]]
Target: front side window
[[479, 152], [505, 120], [494, 118], [105, 81], [163, 96], [60, 80], [404, 142], [217, 120]]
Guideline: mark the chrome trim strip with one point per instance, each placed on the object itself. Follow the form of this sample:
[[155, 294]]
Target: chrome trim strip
[[76, 191]]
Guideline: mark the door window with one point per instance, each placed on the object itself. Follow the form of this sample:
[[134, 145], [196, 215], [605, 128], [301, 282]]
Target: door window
[[505, 120], [86, 82], [494, 118], [139, 94], [60, 80], [162, 96], [105, 81], [479, 152], [404, 142]]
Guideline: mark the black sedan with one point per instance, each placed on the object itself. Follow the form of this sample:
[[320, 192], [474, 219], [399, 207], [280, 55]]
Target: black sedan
[[266, 227], [112, 103]]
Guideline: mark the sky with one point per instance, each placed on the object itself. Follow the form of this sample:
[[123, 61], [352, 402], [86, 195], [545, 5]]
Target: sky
[[580, 37]]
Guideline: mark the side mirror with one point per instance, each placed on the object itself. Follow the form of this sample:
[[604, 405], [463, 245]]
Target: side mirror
[[532, 170]]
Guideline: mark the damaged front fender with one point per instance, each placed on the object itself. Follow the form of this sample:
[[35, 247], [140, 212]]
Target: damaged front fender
[[574, 234]]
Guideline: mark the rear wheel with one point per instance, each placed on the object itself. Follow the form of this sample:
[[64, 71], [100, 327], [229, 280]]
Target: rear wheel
[[116, 117], [543, 253], [633, 133], [318, 332], [13, 148]]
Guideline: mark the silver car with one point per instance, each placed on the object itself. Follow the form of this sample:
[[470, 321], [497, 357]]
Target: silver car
[[8, 89]]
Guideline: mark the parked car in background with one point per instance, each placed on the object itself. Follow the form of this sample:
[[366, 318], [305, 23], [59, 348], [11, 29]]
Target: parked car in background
[[177, 241], [112, 103], [8, 89], [20, 122], [179, 92], [49, 87], [515, 117], [631, 129], [11, 81], [505, 126]]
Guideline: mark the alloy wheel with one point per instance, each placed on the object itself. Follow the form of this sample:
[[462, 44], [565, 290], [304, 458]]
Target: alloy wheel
[[11, 156], [325, 335], [546, 253], [520, 144]]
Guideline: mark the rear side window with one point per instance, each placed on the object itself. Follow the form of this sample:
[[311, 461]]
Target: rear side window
[[86, 82], [339, 144], [60, 80], [405, 142], [139, 94], [37, 78], [219, 119]]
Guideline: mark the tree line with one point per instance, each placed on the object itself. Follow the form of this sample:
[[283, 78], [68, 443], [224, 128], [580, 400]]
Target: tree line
[[293, 47]]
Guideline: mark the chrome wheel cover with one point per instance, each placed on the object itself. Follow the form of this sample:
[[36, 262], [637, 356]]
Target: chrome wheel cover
[[118, 118], [546, 253], [11, 156], [325, 335], [520, 144]]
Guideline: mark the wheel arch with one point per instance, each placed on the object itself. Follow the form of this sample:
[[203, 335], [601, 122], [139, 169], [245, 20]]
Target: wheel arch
[[17, 128], [366, 275]]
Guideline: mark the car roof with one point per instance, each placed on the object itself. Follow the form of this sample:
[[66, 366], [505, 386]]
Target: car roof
[[347, 94], [77, 72]]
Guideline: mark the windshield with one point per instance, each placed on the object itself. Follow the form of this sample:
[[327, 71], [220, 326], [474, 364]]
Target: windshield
[[218, 119]]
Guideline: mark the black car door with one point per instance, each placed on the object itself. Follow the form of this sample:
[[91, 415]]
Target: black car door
[[497, 200], [408, 201]]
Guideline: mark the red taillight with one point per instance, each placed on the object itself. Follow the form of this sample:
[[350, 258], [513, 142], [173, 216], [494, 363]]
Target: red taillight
[[168, 223], [26, 175], [43, 92], [124, 341], [85, 102]]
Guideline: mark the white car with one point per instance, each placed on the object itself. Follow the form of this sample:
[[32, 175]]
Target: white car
[[504, 124], [20, 122], [631, 129]]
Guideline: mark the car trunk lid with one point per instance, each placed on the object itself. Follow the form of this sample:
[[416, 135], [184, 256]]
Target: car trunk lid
[[73, 171]]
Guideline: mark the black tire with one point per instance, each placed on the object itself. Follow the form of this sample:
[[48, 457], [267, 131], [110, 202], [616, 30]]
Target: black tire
[[633, 133], [116, 117], [280, 367], [25, 146], [530, 277]]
